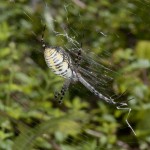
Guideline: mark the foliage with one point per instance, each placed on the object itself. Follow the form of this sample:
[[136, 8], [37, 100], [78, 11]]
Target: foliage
[[29, 117]]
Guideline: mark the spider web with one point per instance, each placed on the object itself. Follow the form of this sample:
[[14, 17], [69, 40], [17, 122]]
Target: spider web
[[92, 67]]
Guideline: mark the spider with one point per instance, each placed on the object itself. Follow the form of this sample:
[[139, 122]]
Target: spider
[[62, 64]]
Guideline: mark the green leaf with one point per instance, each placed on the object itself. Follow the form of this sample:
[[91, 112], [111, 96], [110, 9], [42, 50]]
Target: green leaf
[[143, 49]]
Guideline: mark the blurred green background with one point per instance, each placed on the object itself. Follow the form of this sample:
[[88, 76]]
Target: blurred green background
[[29, 116]]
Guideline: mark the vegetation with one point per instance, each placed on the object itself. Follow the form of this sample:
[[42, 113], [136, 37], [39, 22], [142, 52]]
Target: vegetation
[[29, 116]]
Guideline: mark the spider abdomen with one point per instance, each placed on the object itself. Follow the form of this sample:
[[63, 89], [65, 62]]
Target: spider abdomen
[[56, 60]]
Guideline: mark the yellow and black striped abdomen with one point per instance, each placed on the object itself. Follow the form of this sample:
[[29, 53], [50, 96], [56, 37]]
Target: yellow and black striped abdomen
[[55, 60]]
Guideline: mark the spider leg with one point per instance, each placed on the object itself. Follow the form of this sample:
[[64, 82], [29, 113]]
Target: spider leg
[[56, 95], [43, 44], [122, 103], [121, 107], [60, 95], [78, 58]]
